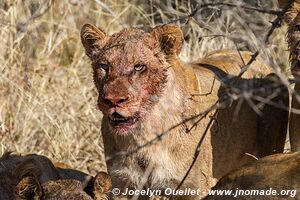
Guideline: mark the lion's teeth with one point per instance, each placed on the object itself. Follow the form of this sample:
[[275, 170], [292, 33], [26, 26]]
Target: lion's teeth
[[119, 119]]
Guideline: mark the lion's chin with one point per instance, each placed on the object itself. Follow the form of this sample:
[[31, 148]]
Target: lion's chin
[[123, 129]]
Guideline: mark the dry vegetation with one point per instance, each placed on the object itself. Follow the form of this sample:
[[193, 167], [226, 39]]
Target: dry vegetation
[[47, 98]]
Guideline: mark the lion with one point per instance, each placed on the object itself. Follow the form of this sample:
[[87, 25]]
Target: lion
[[157, 108], [35, 177], [272, 173], [292, 18]]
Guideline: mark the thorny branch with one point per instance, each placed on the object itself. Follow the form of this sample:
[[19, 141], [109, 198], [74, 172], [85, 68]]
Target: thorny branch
[[274, 24], [208, 5], [260, 10]]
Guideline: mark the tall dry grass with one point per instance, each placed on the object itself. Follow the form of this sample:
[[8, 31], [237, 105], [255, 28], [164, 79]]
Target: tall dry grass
[[47, 98]]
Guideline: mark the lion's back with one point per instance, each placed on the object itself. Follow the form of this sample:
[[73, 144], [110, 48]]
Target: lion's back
[[232, 62]]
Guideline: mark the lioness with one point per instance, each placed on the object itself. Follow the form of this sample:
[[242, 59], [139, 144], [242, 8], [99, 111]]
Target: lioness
[[269, 178], [151, 102], [292, 18]]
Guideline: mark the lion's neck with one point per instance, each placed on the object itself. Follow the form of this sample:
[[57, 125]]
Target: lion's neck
[[162, 134], [166, 114]]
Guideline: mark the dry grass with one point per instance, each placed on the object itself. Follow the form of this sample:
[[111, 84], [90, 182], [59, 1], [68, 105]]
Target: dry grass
[[47, 98]]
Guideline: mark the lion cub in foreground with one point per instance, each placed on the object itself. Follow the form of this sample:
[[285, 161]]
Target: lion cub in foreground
[[156, 109], [35, 177]]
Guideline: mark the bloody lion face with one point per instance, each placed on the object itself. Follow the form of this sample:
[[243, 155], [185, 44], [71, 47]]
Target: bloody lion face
[[130, 71]]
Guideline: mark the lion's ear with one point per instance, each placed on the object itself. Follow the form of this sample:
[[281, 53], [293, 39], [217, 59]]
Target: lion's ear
[[92, 39], [170, 38]]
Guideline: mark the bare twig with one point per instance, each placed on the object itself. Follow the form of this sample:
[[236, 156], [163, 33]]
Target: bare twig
[[207, 5], [197, 151], [250, 8]]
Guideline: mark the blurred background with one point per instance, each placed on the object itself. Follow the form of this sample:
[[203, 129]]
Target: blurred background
[[47, 97]]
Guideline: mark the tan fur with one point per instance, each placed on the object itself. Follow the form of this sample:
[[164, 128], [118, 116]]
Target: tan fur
[[188, 90], [292, 18], [102, 186], [279, 172], [35, 177]]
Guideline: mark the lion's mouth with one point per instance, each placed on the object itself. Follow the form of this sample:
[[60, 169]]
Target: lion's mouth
[[118, 120]]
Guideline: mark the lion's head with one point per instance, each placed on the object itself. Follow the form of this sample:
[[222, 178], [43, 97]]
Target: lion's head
[[130, 71], [292, 18]]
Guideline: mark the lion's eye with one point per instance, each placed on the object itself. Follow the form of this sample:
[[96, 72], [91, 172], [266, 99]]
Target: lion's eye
[[103, 66], [139, 67]]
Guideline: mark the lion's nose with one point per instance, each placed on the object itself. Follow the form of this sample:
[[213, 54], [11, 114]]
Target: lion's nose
[[114, 100]]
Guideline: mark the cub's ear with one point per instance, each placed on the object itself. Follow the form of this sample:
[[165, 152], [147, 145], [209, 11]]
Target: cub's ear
[[170, 38], [92, 39], [101, 186], [26, 182], [102, 183], [28, 188]]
